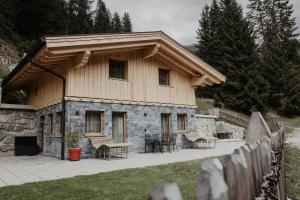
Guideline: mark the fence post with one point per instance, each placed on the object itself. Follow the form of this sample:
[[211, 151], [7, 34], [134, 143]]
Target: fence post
[[246, 170], [211, 184], [166, 192]]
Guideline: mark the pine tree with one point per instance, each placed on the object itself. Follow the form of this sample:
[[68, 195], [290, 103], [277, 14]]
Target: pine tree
[[102, 19], [79, 17], [40, 17], [276, 27], [116, 23], [7, 20], [209, 40], [126, 22], [234, 54]]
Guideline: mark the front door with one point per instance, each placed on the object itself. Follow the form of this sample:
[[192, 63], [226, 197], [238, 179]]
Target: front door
[[119, 127], [166, 124]]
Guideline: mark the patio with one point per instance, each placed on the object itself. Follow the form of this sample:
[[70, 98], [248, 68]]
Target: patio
[[19, 170]]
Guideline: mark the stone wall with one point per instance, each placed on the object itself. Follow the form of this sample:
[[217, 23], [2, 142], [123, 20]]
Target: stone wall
[[209, 126], [51, 141], [15, 120], [224, 127], [206, 125], [139, 121]]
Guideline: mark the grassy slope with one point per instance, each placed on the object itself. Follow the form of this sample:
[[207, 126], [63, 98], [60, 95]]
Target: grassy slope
[[123, 184], [293, 172], [292, 157]]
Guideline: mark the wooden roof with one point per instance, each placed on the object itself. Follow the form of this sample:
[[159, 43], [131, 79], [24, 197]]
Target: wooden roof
[[53, 50]]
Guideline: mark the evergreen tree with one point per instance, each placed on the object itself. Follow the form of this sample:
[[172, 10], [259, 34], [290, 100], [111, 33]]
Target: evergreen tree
[[276, 27], [234, 54], [7, 20], [116, 23], [79, 17], [126, 22], [208, 36], [40, 17], [102, 19]]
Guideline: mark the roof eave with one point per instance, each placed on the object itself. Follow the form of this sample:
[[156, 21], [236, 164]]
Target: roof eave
[[40, 43]]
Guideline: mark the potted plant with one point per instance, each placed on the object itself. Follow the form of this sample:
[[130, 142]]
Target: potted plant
[[73, 148]]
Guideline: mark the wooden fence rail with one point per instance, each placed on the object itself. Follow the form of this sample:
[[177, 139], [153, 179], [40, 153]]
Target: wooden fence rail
[[256, 170]]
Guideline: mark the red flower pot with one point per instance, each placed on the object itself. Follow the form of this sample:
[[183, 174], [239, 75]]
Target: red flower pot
[[74, 154]]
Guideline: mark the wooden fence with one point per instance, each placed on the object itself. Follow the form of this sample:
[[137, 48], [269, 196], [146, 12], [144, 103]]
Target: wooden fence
[[254, 171]]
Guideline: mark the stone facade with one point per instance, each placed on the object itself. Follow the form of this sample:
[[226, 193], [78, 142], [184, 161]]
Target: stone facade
[[51, 140], [139, 121], [14, 122]]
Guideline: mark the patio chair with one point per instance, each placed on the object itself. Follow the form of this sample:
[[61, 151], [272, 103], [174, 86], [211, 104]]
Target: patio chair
[[166, 142], [173, 141], [109, 147], [148, 142], [157, 143]]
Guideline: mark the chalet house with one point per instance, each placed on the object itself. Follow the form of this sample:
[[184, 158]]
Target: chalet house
[[115, 85]]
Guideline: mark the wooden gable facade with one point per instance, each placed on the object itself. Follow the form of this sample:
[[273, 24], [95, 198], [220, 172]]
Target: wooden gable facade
[[83, 61]]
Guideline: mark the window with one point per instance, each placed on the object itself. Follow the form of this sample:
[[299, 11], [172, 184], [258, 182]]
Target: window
[[117, 69], [164, 77], [181, 122], [50, 124], [94, 122]]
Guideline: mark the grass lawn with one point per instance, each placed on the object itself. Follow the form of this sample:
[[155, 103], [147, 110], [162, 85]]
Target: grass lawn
[[293, 172], [123, 184]]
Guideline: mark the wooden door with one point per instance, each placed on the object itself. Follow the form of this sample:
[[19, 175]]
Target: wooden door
[[119, 127], [165, 124]]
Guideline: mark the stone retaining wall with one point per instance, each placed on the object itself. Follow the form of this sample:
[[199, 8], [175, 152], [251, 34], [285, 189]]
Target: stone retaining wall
[[209, 126], [237, 131], [15, 120]]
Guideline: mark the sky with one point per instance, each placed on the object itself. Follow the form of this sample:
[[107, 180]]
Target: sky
[[177, 18]]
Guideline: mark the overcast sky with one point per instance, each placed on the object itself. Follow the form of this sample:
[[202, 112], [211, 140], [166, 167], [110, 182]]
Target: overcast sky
[[177, 18]]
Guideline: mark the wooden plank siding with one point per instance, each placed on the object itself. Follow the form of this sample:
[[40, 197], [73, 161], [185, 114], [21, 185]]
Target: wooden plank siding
[[92, 83], [49, 89]]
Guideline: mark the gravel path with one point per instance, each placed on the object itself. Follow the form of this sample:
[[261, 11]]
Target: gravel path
[[294, 137]]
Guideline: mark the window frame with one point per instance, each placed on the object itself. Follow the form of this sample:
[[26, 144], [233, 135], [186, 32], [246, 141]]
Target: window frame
[[101, 114], [125, 77], [179, 115], [167, 71]]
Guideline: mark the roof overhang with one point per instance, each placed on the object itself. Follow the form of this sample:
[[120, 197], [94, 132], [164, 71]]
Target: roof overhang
[[54, 50]]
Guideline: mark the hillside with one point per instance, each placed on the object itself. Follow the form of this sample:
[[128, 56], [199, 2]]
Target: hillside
[[9, 56]]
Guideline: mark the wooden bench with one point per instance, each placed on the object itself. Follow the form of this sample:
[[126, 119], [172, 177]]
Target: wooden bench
[[197, 139], [110, 148]]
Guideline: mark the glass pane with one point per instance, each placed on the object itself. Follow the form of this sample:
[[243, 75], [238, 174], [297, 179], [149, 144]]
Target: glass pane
[[117, 69], [181, 122], [163, 77], [93, 122], [118, 127]]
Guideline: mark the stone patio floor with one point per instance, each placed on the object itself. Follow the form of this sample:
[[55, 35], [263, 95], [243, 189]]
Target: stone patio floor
[[25, 169]]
